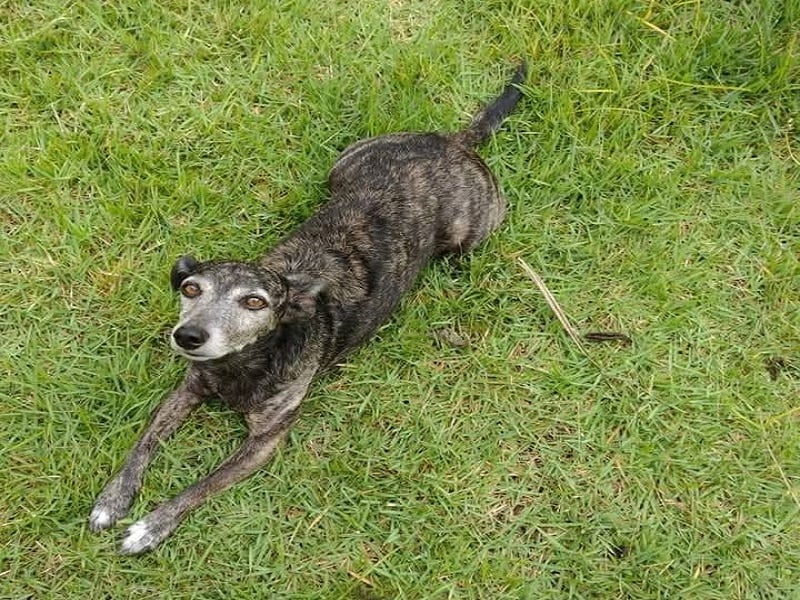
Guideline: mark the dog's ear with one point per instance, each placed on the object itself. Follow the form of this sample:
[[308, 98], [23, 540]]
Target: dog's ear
[[301, 302], [183, 267]]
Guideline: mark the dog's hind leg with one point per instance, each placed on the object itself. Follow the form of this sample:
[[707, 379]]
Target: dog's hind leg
[[115, 500], [266, 430]]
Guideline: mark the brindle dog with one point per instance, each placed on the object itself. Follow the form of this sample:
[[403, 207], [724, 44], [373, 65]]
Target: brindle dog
[[257, 334]]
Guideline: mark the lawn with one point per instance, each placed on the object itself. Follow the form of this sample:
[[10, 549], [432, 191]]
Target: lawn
[[472, 450]]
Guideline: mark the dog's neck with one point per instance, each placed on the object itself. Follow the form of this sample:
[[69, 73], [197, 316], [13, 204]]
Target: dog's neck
[[257, 371]]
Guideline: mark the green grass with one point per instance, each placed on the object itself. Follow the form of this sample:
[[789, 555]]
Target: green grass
[[653, 175]]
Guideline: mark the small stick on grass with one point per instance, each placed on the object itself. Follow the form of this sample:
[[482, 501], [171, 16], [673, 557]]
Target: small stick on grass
[[554, 306]]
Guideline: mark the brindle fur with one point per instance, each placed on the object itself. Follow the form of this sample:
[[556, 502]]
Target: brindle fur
[[397, 201]]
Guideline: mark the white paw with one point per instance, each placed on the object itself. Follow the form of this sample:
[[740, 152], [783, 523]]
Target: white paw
[[99, 519], [138, 538]]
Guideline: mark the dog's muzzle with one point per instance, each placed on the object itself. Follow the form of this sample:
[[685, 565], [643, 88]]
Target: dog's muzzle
[[190, 337]]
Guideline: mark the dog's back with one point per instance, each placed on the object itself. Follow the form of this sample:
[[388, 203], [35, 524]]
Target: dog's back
[[397, 201]]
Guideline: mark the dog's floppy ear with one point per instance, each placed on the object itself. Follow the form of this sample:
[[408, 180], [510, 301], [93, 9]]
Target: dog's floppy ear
[[182, 268], [301, 302]]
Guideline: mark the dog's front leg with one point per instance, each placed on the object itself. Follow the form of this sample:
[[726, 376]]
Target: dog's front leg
[[115, 500], [266, 429]]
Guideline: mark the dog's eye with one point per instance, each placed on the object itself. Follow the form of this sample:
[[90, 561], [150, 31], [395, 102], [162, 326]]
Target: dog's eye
[[254, 303], [191, 290]]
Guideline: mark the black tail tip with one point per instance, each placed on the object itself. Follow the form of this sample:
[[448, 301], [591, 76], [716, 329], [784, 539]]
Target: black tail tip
[[521, 74], [487, 121]]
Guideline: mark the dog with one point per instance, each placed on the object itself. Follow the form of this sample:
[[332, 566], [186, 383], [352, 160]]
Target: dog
[[257, 334]]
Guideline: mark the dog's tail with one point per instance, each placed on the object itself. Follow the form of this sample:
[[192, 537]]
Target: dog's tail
[[486, 122]]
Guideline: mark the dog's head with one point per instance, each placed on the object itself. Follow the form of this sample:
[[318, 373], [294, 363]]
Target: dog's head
[[226, 306]]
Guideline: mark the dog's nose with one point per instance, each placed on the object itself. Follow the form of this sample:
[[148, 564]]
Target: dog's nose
[[190, 337]]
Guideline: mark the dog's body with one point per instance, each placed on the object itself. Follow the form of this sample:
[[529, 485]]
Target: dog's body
[[258, 334]]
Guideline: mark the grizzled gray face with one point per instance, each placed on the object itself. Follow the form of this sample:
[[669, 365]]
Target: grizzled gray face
[[227, 306]]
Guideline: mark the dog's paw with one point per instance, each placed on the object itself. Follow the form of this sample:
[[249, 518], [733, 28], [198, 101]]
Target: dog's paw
[[145, 534], [111, 505], [105, 514], [138, 538], [100, 519]]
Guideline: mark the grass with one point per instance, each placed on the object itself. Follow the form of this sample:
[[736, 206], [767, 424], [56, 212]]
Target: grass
[[653, 176]]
